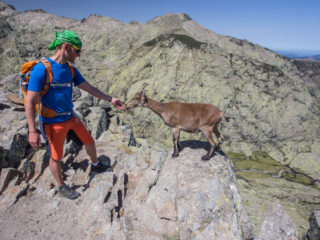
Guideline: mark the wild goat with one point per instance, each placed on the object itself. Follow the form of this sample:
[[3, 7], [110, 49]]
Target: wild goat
[[189, 117]]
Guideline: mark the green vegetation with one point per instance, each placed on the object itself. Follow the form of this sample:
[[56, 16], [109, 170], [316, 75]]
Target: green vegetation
[[261, 165], [188, 41], [258, 160], [297, 177]]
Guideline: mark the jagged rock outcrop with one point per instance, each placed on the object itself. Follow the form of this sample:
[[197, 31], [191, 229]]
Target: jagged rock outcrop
[[314, 231], [277, 225], [187, 199], [146, 195]]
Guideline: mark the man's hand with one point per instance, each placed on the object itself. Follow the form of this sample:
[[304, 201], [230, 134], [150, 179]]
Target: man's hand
[[117, 103], [34, 140], [97, 93]]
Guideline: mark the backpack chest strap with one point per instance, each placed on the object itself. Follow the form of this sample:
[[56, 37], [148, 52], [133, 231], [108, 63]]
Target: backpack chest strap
[[69, 84]]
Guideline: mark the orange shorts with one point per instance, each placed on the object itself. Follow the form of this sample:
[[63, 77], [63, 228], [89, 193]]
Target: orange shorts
[[57, 132]]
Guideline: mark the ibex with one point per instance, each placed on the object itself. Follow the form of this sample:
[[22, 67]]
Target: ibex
[[189, 117]]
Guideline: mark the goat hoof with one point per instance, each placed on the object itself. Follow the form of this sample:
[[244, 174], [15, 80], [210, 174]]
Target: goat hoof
[[174, 155], [217, 149], [205, 157]]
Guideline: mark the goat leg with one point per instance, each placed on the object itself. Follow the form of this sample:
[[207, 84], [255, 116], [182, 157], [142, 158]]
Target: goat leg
[[218, 135], [208, 134], [176, 145], [179, 147]]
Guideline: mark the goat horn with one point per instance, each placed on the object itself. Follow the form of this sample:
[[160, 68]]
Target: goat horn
[[143, 86]]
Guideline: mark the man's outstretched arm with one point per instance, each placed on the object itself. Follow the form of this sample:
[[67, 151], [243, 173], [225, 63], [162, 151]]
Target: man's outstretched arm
[[97, 93]]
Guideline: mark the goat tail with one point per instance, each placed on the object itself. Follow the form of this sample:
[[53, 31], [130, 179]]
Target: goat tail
[[223, 116]]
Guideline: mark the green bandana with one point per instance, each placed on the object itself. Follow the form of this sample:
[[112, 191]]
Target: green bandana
[[66, 36]]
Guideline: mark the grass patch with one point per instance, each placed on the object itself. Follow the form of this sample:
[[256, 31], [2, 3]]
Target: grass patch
[[266, 166], [258, 160], [298, 178]]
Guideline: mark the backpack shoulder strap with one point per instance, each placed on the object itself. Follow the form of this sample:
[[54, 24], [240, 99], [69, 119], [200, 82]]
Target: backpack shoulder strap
[[27, 66], [49, 77], [71, 69]]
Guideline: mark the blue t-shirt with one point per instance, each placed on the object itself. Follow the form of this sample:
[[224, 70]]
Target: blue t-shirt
[[58, 98]]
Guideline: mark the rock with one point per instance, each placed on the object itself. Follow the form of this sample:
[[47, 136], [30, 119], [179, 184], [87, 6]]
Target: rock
[[12, 195], [183, 197], [18, 150], [11, 83], [72, 144], [314, 232], [277, 225], [41, 160], [96, 121], [27, 169], [4, 157], [6, 176], [15, 98], [12, 123], [114, 123], [188, 200]]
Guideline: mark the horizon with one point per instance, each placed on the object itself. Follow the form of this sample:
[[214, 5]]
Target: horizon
[[289, 26]]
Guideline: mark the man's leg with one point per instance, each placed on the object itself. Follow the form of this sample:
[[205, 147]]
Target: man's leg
[[96, 165], [91, 151], [55, 135], [63, 189], [54, 165], [90, 146], [56, 172]]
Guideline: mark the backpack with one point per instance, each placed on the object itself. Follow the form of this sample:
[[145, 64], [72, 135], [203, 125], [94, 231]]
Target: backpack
[[24, 82]]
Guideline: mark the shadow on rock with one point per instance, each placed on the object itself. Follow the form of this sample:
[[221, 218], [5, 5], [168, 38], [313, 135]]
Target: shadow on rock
[[196, 144], [3, 106], [104, 160], [83, 165]]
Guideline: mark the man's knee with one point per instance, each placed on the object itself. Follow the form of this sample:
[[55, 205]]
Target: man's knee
[[54, 161], [90, 144]]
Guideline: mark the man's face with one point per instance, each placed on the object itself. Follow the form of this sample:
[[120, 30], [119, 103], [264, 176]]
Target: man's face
[[72, 52]]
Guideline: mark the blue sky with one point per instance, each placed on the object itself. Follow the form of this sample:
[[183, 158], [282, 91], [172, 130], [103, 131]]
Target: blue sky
[[275, 24]]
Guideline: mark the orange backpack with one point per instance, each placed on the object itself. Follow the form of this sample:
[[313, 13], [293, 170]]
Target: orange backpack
[[24, 81]]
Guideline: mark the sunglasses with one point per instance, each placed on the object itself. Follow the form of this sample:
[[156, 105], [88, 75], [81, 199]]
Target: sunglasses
[[78, 50]]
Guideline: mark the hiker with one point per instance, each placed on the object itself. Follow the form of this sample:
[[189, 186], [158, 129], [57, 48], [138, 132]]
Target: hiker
[[57, 102]]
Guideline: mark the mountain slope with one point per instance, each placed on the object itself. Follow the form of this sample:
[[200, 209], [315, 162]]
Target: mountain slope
[[273, 101]]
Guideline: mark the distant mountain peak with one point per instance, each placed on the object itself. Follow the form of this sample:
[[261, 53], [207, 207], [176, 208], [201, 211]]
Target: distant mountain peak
[[177, 17]]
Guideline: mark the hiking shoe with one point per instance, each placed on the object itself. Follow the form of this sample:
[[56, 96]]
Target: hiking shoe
[[100, 168], [67, 192]]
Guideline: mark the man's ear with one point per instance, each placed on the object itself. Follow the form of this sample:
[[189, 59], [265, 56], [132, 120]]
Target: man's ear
[[66, 46]]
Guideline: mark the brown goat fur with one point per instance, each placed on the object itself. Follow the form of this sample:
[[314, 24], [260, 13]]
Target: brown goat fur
[[189, 117]]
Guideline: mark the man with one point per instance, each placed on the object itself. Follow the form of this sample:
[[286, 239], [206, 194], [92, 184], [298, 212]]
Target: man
[[59, 100]]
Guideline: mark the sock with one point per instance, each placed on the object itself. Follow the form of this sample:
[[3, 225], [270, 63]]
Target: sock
[[95, 164]]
